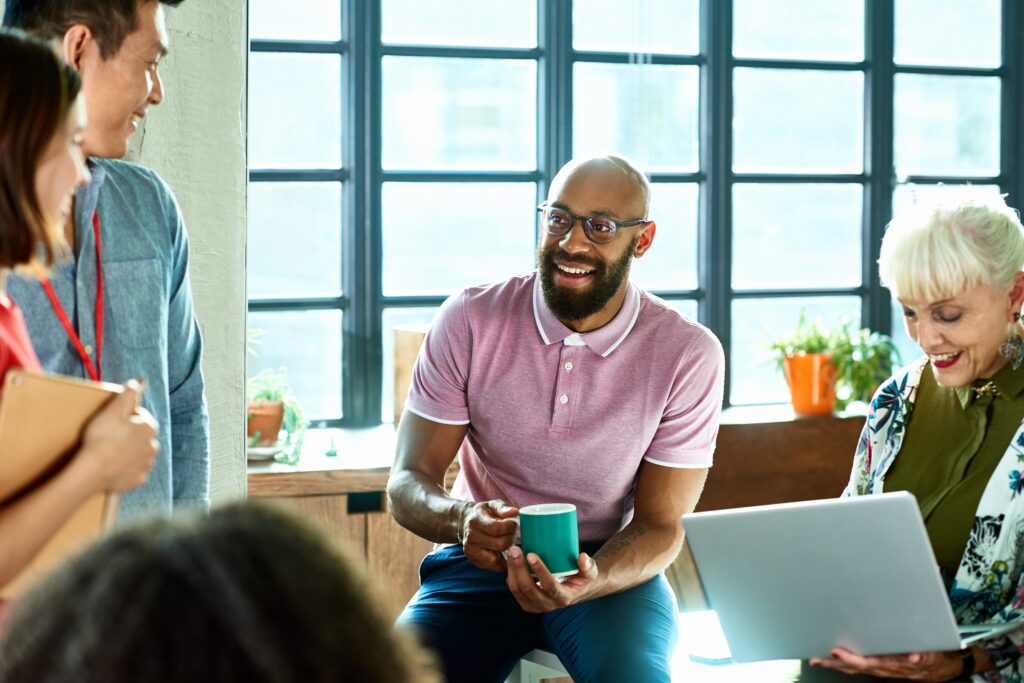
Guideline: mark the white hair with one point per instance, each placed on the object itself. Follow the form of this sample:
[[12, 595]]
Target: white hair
[[617, 161], [960, 238]]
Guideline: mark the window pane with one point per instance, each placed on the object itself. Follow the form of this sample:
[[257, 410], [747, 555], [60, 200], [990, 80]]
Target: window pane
[[671, 262], [793, 236], [294, 240], [908, 194], [483, 23], [308, 345], [392, 318], [799, 29], [294, 111], [648, 113], [948, 32], [441, 237], [755, 375], [798, 121], [946, 125], [908, 348], [687, 307], [295, 19], [459, 114], [658, 26]]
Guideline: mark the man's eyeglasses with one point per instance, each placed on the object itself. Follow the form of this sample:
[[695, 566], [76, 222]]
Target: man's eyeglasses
[[599, 229]]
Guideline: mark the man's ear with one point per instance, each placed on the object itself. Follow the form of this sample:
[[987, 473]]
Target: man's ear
[[645, 240], [73, 47]]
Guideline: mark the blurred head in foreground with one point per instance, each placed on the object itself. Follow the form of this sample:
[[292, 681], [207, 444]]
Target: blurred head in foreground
[[246, 594]]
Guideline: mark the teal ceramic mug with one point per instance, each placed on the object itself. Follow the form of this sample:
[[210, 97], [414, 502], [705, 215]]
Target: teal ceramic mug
[[549, 530]]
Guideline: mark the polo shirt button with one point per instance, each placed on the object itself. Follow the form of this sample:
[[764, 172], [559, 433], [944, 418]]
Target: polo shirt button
[[88, 349], [563, 399], [568, 366]]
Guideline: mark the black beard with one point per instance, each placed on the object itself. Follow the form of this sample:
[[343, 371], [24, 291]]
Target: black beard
[[570, 305]]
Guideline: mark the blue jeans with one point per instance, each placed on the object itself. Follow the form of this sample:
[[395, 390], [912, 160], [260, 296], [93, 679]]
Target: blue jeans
[[468, 616]]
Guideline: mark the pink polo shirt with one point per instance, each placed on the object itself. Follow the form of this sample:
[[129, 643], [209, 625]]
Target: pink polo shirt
[[557, 416]]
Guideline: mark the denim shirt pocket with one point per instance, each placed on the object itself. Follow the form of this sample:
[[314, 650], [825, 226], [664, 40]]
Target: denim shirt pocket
[[136, 302]]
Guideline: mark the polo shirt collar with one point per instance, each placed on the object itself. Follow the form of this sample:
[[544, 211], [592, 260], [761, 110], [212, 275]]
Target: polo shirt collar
[[601, 341]]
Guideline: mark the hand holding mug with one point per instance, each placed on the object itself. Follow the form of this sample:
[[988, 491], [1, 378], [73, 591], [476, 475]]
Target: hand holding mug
[[537, 590], [549, 572], [486, 530]]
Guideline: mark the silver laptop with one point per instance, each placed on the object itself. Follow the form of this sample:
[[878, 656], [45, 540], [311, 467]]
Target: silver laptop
[[793, 581]]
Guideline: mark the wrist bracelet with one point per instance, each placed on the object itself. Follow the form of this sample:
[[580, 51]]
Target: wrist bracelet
[[967, 664]]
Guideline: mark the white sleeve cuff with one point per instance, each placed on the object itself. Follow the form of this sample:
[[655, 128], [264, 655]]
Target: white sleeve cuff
[[435, 419]]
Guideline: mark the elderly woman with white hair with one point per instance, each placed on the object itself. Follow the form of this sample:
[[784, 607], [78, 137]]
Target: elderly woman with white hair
[[949, 427]]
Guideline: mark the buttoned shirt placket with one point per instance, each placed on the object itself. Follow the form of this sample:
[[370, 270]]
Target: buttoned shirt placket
[[567, 392]]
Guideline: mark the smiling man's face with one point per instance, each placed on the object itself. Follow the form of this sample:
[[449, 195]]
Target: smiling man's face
[[120, 89], [580, 279]]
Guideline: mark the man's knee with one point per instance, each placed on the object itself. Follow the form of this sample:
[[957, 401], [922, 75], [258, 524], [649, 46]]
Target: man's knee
[[623, 664], [627, 636]]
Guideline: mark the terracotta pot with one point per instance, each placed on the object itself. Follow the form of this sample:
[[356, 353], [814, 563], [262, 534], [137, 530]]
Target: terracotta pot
[[265, 418], [812, 383]]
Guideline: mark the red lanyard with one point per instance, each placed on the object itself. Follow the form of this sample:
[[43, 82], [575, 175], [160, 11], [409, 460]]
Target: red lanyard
[[93, 370]]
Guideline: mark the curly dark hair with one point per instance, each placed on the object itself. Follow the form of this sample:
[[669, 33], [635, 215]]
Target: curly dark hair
[[249, 593], [109, 20]]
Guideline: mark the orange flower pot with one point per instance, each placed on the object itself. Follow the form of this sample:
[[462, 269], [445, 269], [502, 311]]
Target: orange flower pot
[[265, 418], [812, 383]]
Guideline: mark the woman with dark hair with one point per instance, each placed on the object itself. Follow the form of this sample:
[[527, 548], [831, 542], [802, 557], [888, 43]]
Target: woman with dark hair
[[41, 121], [249, 594]]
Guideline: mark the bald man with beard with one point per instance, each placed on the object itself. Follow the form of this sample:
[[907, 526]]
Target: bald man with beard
[[567, 385]]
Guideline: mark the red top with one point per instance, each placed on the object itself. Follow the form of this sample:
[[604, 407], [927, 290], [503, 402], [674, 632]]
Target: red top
[[15, 352], [15, 347]]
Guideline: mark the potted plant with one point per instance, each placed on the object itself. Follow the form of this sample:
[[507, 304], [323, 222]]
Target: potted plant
[[863, 360], [806, 362], [829, 370], [271, 408]]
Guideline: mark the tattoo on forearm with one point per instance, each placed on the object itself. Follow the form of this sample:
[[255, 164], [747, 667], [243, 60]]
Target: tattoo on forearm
[[619, 543]]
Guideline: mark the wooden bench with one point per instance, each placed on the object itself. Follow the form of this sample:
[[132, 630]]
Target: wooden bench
[[760, 463]]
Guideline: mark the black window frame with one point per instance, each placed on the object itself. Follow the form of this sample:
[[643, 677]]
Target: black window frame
[[362, 301]]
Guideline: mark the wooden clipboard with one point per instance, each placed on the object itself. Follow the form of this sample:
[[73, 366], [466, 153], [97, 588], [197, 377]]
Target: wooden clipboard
[[41, 422]]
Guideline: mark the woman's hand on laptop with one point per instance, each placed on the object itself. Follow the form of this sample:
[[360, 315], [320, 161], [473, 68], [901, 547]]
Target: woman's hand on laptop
[[916, 666], [119, 443], [546, 593]]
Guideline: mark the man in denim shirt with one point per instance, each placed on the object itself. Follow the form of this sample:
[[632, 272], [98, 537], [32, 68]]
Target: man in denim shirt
[[147, 328]]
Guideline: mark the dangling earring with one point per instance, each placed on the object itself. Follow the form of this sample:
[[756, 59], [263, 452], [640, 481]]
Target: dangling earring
[[1013, 348]]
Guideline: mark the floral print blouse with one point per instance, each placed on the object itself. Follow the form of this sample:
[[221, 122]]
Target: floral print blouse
[[989, 586]]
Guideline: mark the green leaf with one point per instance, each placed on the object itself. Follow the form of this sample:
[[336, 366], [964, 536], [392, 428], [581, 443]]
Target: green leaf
[[863, 359], [272, 385]]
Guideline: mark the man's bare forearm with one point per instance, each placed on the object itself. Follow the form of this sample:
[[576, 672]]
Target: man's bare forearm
[[422, 506], [416, 494], [621, 542], [636, 554]]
